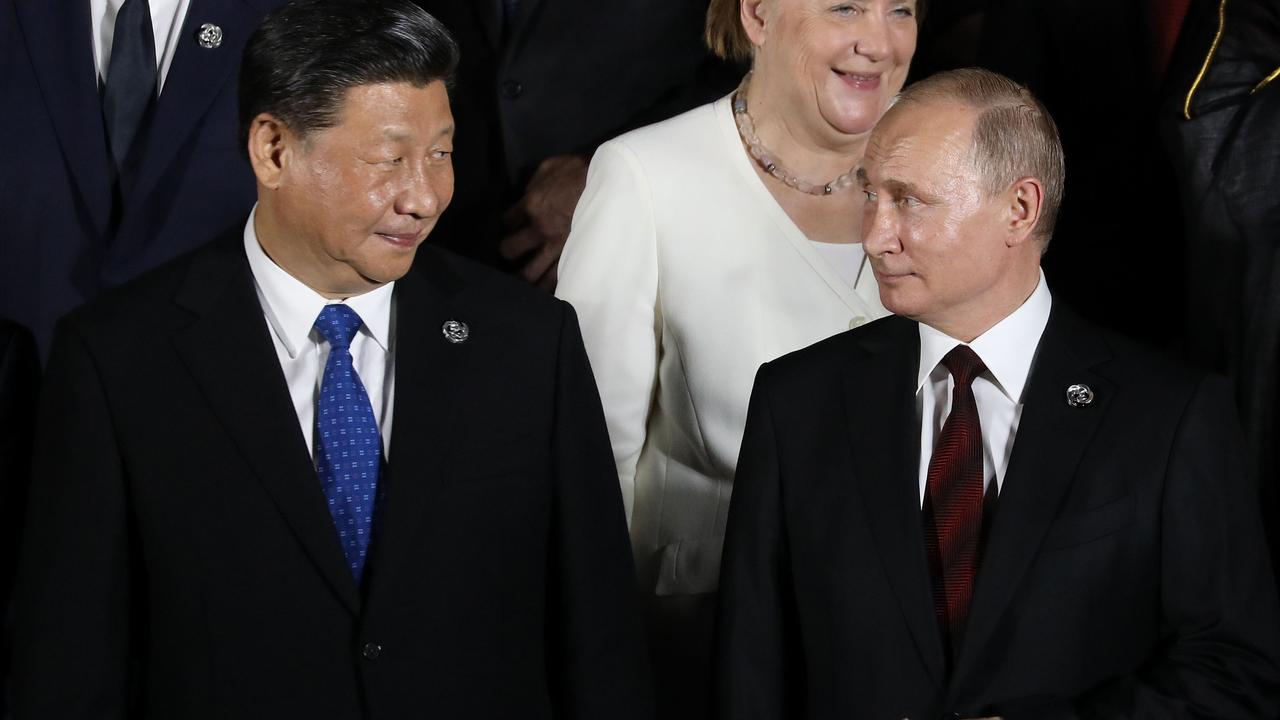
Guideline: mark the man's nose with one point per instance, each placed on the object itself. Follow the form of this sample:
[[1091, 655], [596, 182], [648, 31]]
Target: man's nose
[[879, 232], [419, 197]]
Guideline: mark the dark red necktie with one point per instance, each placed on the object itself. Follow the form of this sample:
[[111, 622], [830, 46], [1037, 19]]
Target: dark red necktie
[[953, 498]]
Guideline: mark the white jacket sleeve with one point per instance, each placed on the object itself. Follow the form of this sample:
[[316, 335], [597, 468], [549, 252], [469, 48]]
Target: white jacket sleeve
[[609, 273]]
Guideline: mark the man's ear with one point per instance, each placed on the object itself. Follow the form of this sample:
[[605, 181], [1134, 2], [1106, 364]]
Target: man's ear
[[1024, 201], [270, 141], [754, 15]]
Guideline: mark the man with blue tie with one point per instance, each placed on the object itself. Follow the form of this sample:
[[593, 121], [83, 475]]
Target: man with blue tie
[[314, 469]]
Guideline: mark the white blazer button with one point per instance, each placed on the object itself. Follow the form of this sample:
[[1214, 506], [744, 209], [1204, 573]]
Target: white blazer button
[[857, 321]]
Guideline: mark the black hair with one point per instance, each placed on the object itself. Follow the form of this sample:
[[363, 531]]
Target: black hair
[[305, 56]]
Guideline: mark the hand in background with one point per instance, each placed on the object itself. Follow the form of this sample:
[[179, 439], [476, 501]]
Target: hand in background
[[537, 226]]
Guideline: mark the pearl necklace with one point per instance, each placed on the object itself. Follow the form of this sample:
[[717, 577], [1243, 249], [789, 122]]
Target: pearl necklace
[[766, 159]]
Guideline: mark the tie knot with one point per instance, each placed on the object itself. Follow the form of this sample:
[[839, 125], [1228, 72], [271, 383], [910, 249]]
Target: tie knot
[[338, 323], [964, 364]]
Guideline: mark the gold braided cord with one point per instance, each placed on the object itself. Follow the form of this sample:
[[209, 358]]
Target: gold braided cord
[[1213, 49], [1266, 81]]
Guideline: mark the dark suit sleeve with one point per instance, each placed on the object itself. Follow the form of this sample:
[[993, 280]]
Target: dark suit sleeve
[[1222, 658], [19, 378], [71, 608], [756, 668], [600, 669]]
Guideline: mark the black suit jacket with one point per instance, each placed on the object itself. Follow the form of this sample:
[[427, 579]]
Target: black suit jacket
[[63, 238], [19, 379], [1227, 162], [1124, 573], [560, 78], [180, 560]]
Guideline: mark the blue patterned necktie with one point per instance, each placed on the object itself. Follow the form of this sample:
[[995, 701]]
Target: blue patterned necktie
[[348, 446]]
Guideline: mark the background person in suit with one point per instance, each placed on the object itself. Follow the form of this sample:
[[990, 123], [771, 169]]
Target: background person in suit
[[119, 143], [19, 379], [541, 84], [706, 245], [282, 476], [1221, 124], [986, 506]]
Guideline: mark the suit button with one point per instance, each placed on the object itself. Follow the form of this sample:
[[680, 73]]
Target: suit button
[[512, 89], [857, 321], [371, 651]]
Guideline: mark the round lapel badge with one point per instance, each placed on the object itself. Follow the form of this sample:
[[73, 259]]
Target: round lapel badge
[[456, 331], [1079, 395], [209, 36]]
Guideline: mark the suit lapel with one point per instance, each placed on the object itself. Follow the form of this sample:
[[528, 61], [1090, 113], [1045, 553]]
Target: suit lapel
[[229, 352], [489, 16], [1052, 438], [884, 378], [57, 35], [428, 369], [520, 24], [196, 77]]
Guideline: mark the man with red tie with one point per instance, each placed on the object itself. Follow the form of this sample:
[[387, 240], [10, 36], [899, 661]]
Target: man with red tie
[[986, 506]]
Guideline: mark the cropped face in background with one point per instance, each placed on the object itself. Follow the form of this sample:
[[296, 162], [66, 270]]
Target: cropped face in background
[[844, 61], [354, 201], [939, 244]]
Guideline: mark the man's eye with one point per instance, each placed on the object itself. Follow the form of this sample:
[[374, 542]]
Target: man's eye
[[442, 154], [844, 10], [907, 201], [902, 11], [869, 195]]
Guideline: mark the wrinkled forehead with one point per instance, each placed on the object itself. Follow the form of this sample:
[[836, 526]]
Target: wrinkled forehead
[[919, 140]]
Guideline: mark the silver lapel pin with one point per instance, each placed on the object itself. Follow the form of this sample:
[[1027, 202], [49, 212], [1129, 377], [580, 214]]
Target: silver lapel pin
[[456, 331], [1079, 395], [210, 36]]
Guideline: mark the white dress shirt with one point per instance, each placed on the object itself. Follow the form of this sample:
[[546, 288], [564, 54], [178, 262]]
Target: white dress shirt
[[291, 308], [167, 17], [1008, 350]]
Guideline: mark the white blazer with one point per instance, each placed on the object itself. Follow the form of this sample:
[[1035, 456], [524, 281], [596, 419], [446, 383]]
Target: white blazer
[[687, 275]]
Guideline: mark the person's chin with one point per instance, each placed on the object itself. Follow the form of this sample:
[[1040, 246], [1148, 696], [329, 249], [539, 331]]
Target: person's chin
[[853, 118]]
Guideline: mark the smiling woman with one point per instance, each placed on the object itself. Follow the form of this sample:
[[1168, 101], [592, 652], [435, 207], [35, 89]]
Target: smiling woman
[[708, 244]]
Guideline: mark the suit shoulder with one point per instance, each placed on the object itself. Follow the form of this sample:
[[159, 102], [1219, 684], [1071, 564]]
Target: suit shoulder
[[146, 303], [815, 362], [478, 283], [1136, 363], [673, 139]]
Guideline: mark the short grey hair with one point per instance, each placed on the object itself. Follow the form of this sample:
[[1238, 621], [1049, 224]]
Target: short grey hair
[[1013, 134]]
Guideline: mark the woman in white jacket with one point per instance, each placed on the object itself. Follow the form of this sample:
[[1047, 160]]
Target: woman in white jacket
[[713, 242]]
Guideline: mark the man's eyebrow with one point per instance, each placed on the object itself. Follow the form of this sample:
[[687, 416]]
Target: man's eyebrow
[[398, 136]]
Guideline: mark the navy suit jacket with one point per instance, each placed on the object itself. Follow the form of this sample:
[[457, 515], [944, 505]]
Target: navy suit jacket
[[63, 239]]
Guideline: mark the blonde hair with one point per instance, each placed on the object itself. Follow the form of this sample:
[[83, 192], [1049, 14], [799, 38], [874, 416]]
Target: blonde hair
[[724, 33], [726, 37]]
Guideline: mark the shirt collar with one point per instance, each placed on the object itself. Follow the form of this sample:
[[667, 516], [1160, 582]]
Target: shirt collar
[[291, 307], [1007, 348]]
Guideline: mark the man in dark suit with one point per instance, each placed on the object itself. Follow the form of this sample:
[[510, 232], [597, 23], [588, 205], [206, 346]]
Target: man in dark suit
[[19, 378], [119, 143], [986, 506], [288, 476], [1221, 124], [540, 85]]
